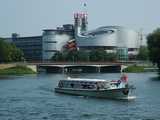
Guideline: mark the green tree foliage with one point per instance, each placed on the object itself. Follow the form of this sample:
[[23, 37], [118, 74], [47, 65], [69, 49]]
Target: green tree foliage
[[153, 40], [9, 52], [143, 53], [72, 56], [58, 56], [111, 57], [97, 55], [84, 56]]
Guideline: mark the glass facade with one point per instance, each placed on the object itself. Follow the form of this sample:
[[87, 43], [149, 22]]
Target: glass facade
[[122, 54], [31, 47]]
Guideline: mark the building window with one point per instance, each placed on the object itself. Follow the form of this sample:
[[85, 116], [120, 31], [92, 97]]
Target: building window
[[50, 50], [50, 41]]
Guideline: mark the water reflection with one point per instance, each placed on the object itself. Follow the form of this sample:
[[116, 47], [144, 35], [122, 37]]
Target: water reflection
[[6, 77], [155, 78]]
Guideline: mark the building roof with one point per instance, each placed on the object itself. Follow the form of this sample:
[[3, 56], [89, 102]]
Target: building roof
[[58, 30], [85, 80]]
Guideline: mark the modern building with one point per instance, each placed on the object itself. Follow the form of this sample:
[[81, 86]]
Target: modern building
[[31, 46], [43, 47], [116, 39], [55, 39], [109, 38]]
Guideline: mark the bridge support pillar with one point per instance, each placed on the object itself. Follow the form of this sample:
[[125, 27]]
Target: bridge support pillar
[[98, 69]]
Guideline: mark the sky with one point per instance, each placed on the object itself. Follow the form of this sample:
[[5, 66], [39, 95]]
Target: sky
[[30, 17]]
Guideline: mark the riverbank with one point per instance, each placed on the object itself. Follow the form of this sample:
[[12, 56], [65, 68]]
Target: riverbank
[[4, 66], [139, 69], [17, 70]]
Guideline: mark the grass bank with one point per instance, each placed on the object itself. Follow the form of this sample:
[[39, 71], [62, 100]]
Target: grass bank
[[17, 70], [134, 69], [139, 69]]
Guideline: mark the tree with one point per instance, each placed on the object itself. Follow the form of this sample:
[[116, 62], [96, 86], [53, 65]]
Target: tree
[[58, 56], [72, 56], [16, 54], [102, 56], [9, 52], [153, 41], [84, 56], [110, 57], [143, 53], [4, 51], [97, 55]]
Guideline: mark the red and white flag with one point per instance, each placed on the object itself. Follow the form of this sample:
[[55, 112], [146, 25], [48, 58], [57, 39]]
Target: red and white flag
[[124, 78]]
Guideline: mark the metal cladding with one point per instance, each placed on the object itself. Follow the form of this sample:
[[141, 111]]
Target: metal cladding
[[80, 20], [108, 36], [49, 44], [54, 40]]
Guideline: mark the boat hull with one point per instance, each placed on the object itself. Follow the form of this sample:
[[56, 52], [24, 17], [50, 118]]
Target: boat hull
[[121, 93]]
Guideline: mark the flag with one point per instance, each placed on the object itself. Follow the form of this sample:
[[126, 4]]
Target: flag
[[124, 78]]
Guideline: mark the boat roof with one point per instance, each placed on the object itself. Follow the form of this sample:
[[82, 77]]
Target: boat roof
[[84, 79]]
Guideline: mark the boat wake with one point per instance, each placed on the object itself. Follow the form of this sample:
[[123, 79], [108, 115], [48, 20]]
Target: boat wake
[[130, 98]]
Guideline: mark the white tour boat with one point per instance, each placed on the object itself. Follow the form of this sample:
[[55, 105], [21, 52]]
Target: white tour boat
[[114, 89]]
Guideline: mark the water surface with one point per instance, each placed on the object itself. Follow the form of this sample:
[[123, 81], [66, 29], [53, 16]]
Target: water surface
[[33, 98]]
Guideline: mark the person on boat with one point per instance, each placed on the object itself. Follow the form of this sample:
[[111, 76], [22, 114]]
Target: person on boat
[[97, 85], [124, 78]]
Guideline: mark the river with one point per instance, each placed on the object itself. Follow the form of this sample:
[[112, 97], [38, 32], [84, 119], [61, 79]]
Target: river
[[32, 97]]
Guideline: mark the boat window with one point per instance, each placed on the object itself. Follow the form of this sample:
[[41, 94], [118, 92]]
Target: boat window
[[60, 84], [87, 85], [72, 85]]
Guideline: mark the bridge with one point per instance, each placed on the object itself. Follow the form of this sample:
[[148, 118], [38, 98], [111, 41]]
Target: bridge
[[80, 67], [83, 67]]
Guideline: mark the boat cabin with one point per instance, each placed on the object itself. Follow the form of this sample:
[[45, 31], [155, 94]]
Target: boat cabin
[[86, 84]]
